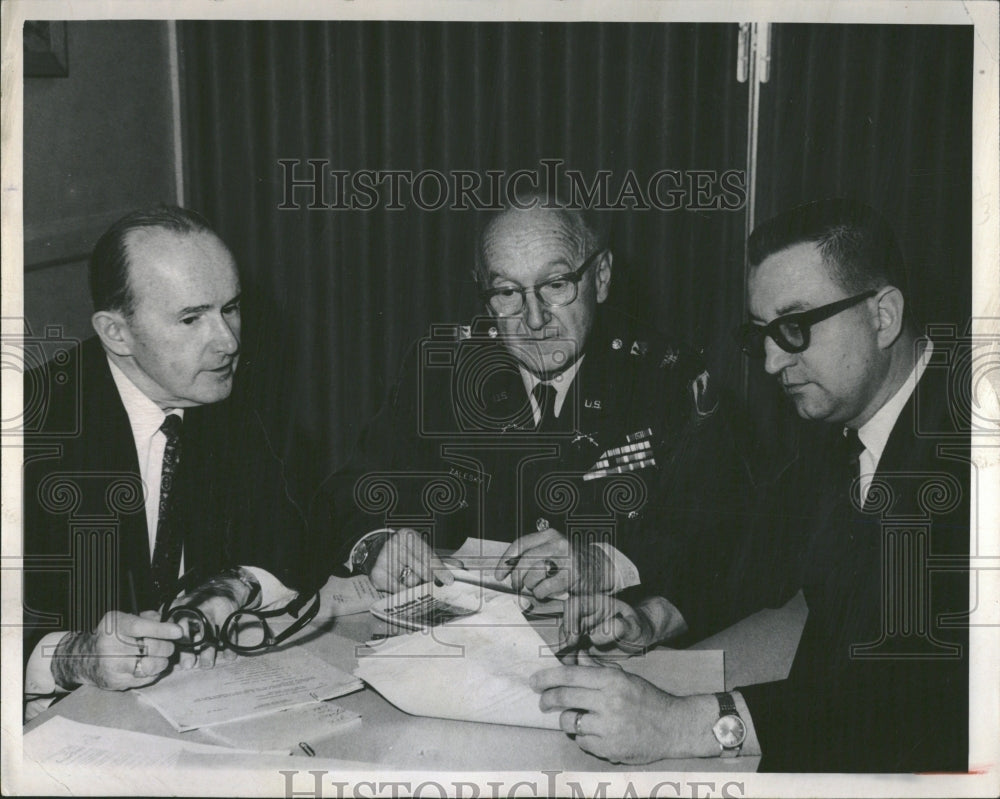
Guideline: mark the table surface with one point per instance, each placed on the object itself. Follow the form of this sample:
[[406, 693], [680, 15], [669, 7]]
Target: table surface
[[757, 649]]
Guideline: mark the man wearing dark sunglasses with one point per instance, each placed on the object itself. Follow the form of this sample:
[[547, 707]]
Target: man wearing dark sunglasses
[[575, 434], [871, 523]]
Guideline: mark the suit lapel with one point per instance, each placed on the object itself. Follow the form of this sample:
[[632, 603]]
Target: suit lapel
[[108, 437]]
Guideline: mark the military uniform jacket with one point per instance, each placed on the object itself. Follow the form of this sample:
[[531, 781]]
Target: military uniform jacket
[[639, 456]]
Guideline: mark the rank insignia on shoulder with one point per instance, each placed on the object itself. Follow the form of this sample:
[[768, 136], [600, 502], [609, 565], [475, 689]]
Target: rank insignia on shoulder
[[579, 438], [705, 401], [669, 357], [639, 348], [616, 344]]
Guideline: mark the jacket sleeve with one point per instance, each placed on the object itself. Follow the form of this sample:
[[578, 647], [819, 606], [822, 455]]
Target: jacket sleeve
[[354, 500], [698, 517]]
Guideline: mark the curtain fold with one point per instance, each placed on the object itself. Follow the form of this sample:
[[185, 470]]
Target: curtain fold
[[335, 296], [882, 113]]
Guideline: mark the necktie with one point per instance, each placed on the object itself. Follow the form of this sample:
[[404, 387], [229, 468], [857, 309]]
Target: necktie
[[167, 554], [545, 396], [852, 452], [852, 449]]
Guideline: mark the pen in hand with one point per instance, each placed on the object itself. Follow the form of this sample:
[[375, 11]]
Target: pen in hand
[[132, 595], [582, 643]]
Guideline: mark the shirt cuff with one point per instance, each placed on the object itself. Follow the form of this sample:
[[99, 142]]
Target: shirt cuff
[[624, 571], [40, 687], [751, 744], [273, 592]]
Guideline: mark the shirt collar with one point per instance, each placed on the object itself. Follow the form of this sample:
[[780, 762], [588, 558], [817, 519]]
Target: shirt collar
[[144, 415], [874, 433], [561, 382]]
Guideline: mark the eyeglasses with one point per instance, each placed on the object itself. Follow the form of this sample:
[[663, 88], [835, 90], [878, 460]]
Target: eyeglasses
[[791, 332], [244, 631], [555, 292]]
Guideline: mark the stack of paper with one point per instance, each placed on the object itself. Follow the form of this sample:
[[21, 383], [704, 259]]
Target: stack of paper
[[477, 668], [264, 688], [292, 731], [474, 669], [63, 757]]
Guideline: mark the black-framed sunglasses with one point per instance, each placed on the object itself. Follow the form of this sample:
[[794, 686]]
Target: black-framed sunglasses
[[791, 332], [555, 292], [244, 631]]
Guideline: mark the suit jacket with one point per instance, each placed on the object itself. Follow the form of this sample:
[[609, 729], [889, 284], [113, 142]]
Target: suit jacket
[[455, 452], [85, 540], [880, 678]]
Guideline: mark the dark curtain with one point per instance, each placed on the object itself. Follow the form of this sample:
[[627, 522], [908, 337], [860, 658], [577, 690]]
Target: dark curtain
[[877, 112], [882, 114], [339, 294]]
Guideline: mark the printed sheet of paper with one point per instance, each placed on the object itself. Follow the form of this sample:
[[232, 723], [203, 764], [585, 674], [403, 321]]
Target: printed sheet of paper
[[63, 742], [474, 669], [246, 688], [342, 596], [477, 668], [63, 758], [294, 730], [68, 757]]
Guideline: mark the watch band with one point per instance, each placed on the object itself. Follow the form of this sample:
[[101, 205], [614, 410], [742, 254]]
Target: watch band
[[729, 717], [727, 706]]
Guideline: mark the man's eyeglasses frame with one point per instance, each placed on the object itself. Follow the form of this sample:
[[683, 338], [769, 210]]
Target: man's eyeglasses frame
[[573, 277], [751, 335], [202, 633]]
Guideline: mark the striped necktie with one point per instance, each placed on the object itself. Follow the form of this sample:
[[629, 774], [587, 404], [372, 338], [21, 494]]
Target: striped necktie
[[167, 554]]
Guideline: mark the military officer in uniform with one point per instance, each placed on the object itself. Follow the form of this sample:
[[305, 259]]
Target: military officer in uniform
[[584, 439]]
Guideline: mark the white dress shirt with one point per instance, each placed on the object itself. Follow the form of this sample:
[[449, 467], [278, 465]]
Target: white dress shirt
[[561, 383], [145, 417], [874, 433]]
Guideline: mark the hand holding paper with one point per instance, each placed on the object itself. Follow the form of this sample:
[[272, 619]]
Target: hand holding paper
[[546, 564], [407, 560]]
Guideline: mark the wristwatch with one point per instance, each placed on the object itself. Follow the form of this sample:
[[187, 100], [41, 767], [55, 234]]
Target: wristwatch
[[366, 551], [729, 730]]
